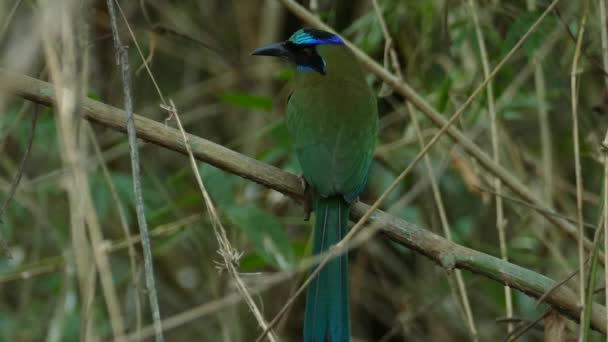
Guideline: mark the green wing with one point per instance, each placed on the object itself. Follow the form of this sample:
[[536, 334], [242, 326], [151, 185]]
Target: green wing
[[334, 127]]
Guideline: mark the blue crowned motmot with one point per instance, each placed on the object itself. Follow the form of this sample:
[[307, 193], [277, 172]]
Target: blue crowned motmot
[[332, 117]]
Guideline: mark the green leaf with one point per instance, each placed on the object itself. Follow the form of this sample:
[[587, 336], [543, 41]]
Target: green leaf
[[280, 136], [463, 229], [222, 186], [444, 94], [251, 263], [266, 234], [461, 32], [247, 101], [103, 199], [512, 115], [521, 25]]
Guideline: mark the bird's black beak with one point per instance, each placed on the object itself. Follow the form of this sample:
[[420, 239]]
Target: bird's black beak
[[275, 50]]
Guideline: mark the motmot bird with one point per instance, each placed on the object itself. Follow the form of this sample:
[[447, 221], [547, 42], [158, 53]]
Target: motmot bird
[[333, 120]]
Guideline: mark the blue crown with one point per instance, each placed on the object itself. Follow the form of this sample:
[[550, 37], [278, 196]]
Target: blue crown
[[310, 36]]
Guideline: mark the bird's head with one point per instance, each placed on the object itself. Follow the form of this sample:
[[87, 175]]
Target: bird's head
[[301, 49]]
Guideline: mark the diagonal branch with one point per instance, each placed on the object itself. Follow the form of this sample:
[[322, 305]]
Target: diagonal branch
[[230, 255], [404, 89], [446, 254]]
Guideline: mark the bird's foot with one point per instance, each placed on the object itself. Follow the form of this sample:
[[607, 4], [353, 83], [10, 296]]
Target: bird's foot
[[308, 197]]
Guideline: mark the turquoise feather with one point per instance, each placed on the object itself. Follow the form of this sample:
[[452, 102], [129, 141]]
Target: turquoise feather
[[327, 314]]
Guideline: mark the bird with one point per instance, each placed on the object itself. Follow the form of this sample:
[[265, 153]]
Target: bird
[[332, 117]]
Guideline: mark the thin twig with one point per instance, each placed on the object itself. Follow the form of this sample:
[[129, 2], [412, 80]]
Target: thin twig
[[9, 18], [121, 53], [17, 178], [557, 285], [101, 259], [604, 35], [314, 7], [122, 216], [53, 263], [515, 334], [229, 254], [577, 164], [544, 125], [390, 51], [447, 230], [500, 219], [164, 30], [545, 133], [574, 39], [537, 208], [590, 286], [69, 70]]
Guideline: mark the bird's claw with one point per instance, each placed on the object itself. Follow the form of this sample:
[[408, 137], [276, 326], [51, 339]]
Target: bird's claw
[[308, 198]]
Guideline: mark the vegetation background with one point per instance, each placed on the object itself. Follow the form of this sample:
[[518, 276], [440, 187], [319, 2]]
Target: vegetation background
[[198, 52]]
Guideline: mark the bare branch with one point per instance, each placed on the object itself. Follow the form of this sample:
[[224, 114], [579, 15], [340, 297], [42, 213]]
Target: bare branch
[[446, 254], [139, 202]]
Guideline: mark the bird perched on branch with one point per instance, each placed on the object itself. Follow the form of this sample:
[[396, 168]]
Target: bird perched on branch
[[332, 117]]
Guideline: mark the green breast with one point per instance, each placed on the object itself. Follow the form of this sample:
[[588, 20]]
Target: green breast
[[334, 122]]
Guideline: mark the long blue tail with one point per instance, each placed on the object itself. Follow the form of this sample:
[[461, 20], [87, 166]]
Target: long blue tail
[[326, 318]]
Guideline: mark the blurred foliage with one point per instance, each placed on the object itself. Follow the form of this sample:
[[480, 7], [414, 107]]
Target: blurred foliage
[[199, 54]]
